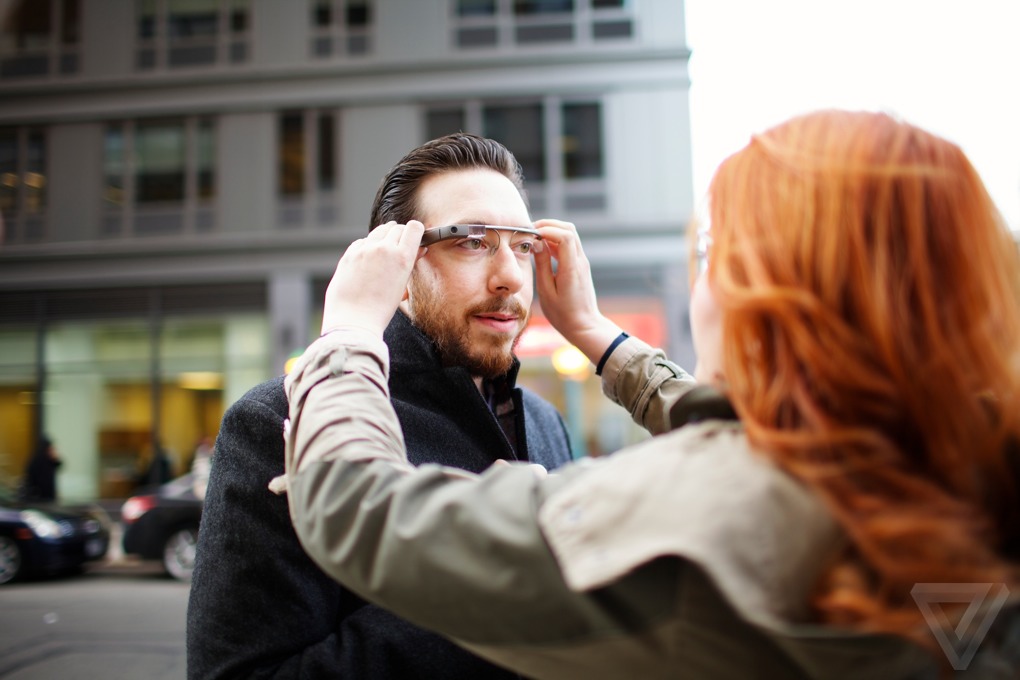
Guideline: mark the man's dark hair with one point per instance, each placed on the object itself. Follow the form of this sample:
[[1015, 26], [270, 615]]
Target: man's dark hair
[[397, 198]]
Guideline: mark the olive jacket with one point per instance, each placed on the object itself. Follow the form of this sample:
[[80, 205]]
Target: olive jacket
[[685, 556], [260, 607]]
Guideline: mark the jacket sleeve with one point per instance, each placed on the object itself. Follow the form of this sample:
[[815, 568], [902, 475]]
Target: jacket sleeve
[[641, 379], [452, 551], [260, 608]]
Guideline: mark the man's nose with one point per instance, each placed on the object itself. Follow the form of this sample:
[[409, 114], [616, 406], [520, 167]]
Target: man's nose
[[505, 274]]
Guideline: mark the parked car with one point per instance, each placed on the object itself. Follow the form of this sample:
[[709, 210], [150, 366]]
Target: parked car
[[48, 538], [163, 525]]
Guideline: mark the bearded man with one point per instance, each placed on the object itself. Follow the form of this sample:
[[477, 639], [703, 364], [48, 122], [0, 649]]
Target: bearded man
[[259, 607]]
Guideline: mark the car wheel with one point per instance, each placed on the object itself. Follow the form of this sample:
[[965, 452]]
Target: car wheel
[[10, 559], [179, 553]]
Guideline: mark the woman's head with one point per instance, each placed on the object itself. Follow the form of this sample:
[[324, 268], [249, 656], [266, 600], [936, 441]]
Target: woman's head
[[868, 323], [850, 251]]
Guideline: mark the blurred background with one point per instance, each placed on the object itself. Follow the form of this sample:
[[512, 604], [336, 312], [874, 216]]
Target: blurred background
[[179, 177]]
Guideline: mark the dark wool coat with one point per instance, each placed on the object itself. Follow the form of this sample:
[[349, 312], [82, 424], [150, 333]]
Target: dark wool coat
[[40, 482], [260, 608]]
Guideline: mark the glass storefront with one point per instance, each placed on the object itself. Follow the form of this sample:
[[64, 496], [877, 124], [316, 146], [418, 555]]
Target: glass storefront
[[17, 400], [116, 390]]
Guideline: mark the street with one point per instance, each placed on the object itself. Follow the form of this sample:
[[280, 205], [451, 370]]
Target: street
[[118, 620]]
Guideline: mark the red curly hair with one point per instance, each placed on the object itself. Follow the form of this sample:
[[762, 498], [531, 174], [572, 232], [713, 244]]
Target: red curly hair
[[871, 318]]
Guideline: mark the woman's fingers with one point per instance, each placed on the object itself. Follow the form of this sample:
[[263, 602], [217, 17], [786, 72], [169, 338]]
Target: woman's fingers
[[567, 292], [371, 277], [411, 233]]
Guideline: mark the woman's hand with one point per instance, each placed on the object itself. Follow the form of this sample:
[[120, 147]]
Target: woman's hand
[[568, 294], [371, 278]]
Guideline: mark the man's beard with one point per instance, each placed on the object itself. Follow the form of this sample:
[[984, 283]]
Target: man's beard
[[485, 357]]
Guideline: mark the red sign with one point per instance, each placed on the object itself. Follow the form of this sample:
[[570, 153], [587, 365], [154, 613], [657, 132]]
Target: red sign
[[541, 339]]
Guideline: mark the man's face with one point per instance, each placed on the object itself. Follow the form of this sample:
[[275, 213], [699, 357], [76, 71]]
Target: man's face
[[473, 299]]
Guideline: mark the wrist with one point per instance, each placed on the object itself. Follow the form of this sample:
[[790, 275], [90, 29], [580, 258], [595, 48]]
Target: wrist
[[609, 351], [594, 341], [338, 327]]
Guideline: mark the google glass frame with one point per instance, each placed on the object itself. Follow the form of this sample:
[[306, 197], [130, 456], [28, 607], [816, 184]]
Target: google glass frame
[[469, 231]]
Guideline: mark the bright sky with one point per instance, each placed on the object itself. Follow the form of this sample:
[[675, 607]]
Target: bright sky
[[949, 66]]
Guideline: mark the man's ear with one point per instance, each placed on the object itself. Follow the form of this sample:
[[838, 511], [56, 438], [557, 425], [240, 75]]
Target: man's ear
[[405, 305], [407, 289]]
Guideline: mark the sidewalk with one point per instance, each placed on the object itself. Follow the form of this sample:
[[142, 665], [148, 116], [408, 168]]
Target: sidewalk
[[122, 619]]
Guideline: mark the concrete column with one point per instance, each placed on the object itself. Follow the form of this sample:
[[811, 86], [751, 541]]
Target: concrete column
[[73, 408], [245, 352], [290, 300]]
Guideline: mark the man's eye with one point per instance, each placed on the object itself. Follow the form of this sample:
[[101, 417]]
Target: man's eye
[[472, 244], [523, 247]]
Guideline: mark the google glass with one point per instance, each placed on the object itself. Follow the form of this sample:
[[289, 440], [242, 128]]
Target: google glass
[[469, 231]]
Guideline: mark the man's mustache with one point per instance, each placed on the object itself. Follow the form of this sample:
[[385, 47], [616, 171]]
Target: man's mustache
[[500, 306]]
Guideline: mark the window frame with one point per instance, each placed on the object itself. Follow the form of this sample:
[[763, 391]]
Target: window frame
[[317, 201], [157, 49], [556, 193], [60, 49], [131, 217], [21, 224], [338, 37], [507, 29]]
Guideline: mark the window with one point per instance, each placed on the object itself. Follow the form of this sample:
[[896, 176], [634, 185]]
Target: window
[[439, 121], [582, 143], [205, 160], [572, 179], [469, 8], [159, 176], [611, 19], [476, 23], [307, 179], [327, 152], [519, 128], [292, 154], [191, 33], [341, 28], [39, 38], [525, 7], [495, 23], [114, 165], [23, 183], [543, 21], [159, 161]]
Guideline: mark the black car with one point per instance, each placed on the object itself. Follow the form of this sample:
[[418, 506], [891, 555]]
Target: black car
[[163, 525], [47, 538]]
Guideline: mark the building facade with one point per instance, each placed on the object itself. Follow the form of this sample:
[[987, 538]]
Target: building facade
[[179, 177]]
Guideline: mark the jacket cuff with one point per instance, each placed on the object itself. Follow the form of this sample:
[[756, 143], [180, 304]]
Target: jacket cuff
[[617, 361], [327, 357], [609, 351]]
